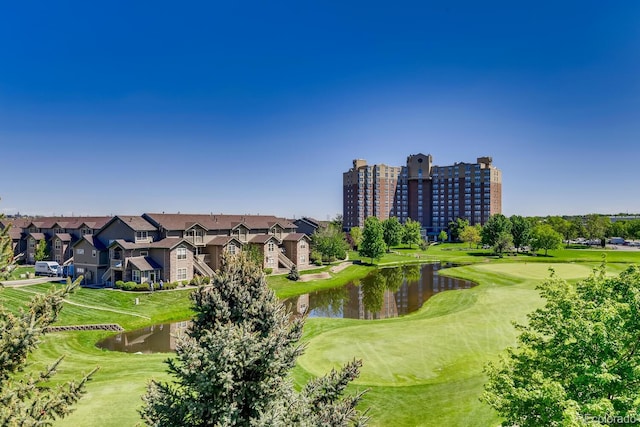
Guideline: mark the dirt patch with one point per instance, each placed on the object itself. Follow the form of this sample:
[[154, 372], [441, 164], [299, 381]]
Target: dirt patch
[[316, 276]]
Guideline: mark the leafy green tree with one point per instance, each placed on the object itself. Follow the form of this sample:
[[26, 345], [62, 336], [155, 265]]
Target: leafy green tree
[[412, 233], [545, 237], [330, 242], [633, 229], [471, 235], [560, 225], [456, 227], [618, 229], [26, 399], [337, 222], [520, 231], [596, 226], [495, 225], [254, 254], [392, 232], [443, 236], [577, 228], [503, 243], [41, 251], [232, 365], [576, 357], [372, 245], [356, 236]]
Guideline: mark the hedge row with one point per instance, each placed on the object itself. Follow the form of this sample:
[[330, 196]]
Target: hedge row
[[133, 286]]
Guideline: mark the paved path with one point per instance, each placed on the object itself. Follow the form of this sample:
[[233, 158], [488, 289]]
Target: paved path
[[27, 282]]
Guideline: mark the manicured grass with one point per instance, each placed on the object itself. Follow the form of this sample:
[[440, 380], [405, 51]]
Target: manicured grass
[[421, 369]]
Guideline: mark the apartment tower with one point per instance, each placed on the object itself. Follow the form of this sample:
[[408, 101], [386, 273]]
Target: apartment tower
[[432, 195]]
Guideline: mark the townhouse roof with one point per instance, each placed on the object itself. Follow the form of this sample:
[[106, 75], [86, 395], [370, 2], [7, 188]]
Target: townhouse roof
[[143, 263], [16, 223], [166, 243], [314, 222], [74, 222], [96, 243], [295, 237], [263, 238], [136, 223], [222, 240], [216, 222], [37, 236], [65, 237], [15, 233]]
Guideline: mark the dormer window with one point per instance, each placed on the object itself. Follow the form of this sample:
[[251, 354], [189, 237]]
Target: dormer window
[[141, 236]]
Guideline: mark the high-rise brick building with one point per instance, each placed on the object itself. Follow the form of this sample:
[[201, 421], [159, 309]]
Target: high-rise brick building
[[432, 195]]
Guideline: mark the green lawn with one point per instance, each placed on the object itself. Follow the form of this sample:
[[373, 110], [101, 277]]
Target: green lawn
[[421, 369]]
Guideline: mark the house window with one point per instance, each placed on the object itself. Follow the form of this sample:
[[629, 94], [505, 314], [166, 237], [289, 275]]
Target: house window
[[135, 276], [271, 247], [86, 231], [80, 251], [93, 253], [231, 249], [80, 270], [303, 259], [32, 243], [303, 245], [58, 230], [141, 235], [182, 253], [58, 244], [57, 258], [182, 274]]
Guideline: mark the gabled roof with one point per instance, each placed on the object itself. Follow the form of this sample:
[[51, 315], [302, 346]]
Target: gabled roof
[[166, 243], [65, 237], [215, 222], [37, 236], [143, 263], [295, 237], [264, 238], [69, 222], [96, 243], [136, 223], [223, 241]]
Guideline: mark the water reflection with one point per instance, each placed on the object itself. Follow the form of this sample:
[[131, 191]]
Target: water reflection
[[152, 339], [384, 293], [387, 292]]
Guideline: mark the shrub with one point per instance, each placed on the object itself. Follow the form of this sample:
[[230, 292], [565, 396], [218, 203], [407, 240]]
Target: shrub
[[293, 274], [268, 270], [206, 280], [170, 285], [119, 284], [185, 282]]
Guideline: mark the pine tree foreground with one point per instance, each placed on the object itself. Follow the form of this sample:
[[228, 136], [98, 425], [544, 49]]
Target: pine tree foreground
[[24, 401], [232, 365]]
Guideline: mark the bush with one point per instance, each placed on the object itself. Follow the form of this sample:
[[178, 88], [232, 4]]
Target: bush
[[424, 245], [132, 286], [185, 282], [293, 274], [170, 285], [206, 280], [268, 270]]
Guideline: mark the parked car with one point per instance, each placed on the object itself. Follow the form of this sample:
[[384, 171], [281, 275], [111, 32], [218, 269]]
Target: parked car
[[47, 268]]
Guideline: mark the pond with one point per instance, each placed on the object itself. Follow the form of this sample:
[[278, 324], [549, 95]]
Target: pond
[[384, 293]]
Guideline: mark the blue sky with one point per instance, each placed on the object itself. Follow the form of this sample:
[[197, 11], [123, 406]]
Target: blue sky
[[259, 107]]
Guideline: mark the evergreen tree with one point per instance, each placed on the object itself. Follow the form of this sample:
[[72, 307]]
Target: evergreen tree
[[231, 367], [372, 245], [24, 400]]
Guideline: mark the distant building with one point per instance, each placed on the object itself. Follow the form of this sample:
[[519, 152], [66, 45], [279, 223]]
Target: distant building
[[432, 195]]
